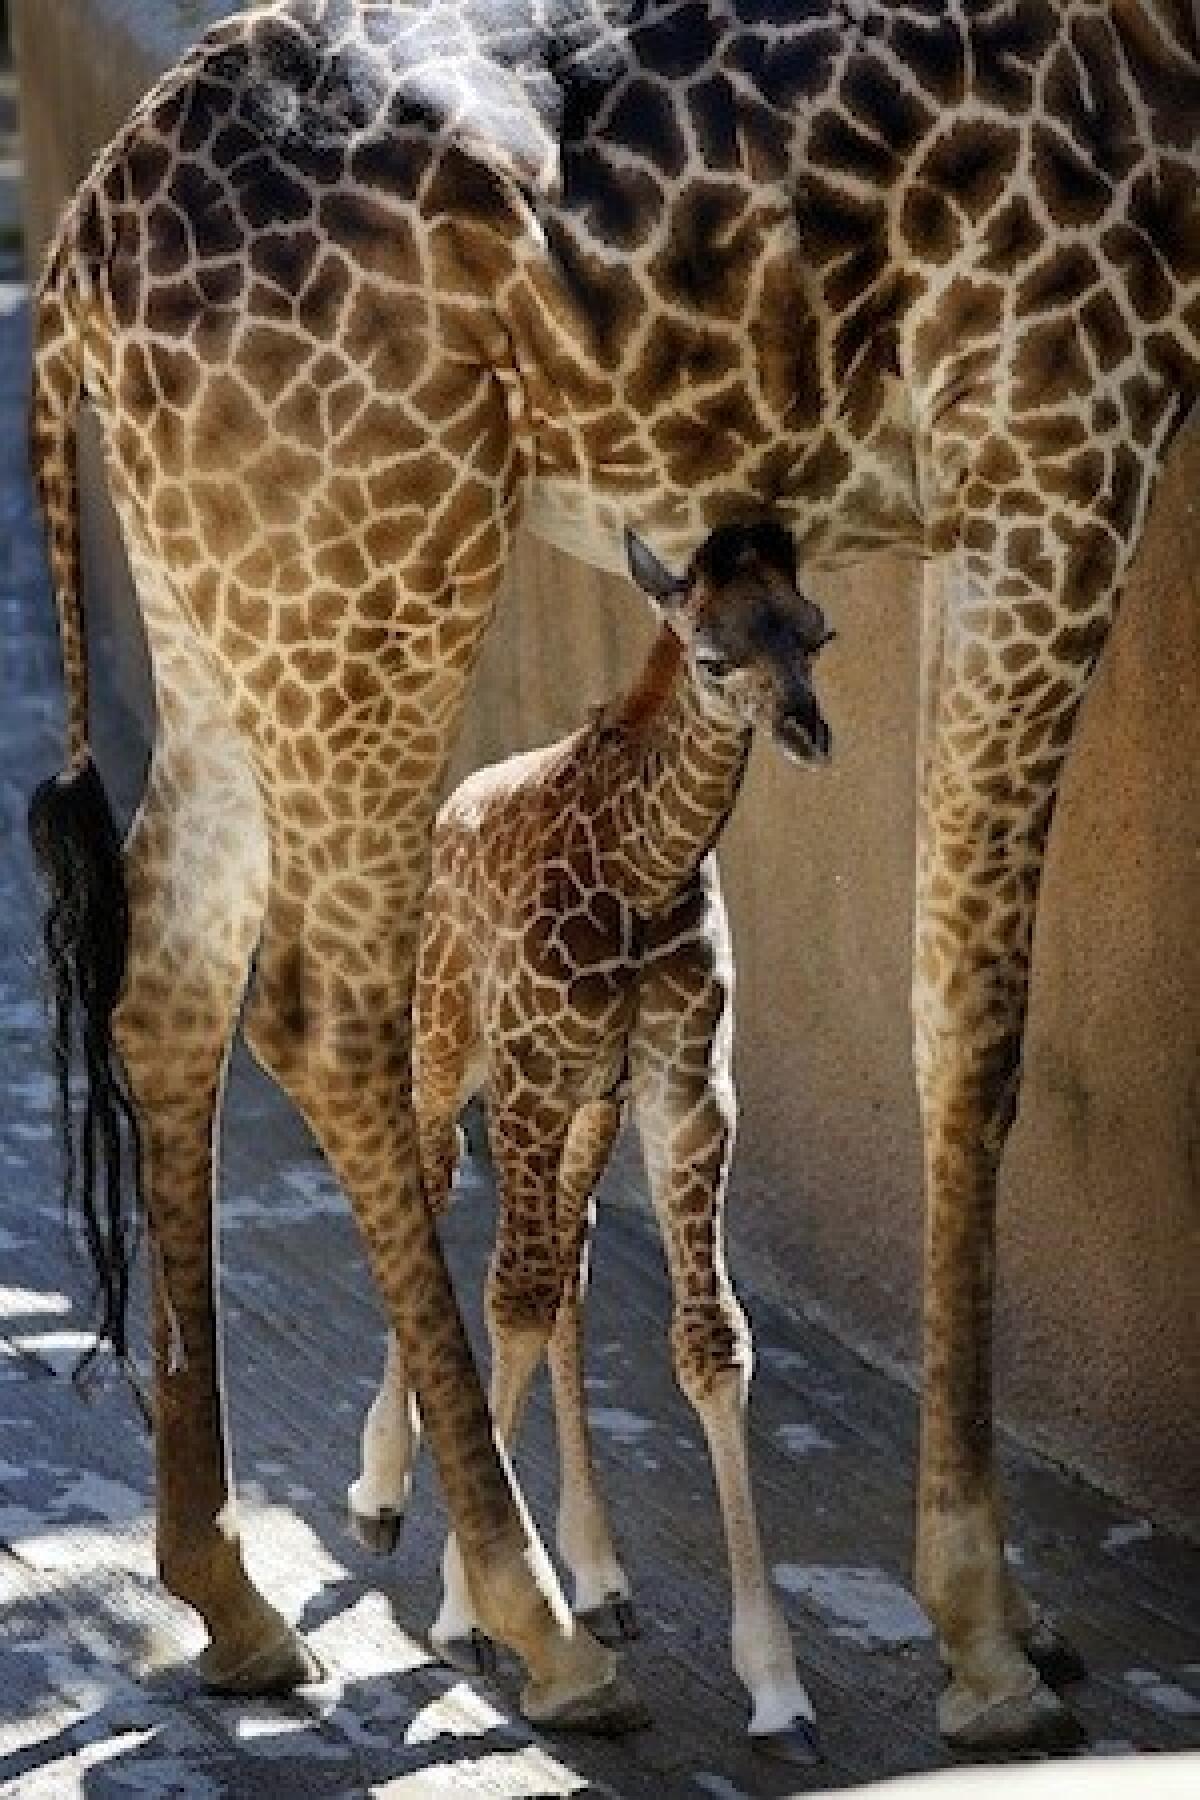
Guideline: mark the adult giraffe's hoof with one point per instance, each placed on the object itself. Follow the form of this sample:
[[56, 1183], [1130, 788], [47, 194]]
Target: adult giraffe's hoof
[[1037, 1720], [474, 1654], [797, 1743], [613, 1622], [1054, 1657], [277, 1668], [379, 1531], [610, 1710]]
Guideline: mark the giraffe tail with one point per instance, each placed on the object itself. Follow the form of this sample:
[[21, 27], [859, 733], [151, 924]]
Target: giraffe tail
[[77, 848]]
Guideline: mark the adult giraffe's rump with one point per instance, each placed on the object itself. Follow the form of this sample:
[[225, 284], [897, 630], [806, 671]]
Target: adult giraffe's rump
[[356, 281]]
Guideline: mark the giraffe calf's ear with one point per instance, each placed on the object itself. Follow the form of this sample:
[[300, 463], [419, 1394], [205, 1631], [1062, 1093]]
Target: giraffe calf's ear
[[651, 575]]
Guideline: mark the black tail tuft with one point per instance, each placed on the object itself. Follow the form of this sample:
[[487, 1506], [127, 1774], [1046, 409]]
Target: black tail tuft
[[78, 850]]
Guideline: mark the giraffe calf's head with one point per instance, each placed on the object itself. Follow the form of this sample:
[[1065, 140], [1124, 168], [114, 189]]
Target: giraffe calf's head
[[749, 634]]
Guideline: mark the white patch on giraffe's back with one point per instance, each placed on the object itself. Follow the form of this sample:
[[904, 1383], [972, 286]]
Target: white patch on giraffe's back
[[1164, 1696], [615, 1422], [869, 1607], [1117, 1536], [801, 1440]]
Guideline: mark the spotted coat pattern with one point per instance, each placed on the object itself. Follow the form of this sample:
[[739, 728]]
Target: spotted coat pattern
[[357, 283]]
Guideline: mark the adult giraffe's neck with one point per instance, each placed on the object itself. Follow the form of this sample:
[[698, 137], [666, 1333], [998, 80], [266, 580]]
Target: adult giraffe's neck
[[686, 760]]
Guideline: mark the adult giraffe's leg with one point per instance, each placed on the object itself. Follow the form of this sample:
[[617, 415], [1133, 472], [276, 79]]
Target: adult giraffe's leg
[[196, 870], [684, 1100], [446, 1037], [584, 1530], [524, 1286], [1011, 635]]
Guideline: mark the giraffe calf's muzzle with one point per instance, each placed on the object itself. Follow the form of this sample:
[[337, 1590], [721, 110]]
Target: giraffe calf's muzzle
[[802, 733]]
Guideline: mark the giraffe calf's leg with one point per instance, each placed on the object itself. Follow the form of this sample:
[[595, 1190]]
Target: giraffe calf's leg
[[686, 1117], [376, 1501]]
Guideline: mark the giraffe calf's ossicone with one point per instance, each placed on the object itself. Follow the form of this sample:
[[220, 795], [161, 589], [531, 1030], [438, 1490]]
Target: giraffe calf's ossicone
[[575, 950]]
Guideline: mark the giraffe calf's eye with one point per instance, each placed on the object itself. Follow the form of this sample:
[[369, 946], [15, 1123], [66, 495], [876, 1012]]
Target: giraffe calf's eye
[[713, 664]]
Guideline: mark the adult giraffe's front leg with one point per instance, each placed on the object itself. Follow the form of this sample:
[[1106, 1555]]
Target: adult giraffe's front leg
[[998, 707]]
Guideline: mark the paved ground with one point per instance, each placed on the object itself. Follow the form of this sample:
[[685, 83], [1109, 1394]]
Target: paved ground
[[95, 1695]]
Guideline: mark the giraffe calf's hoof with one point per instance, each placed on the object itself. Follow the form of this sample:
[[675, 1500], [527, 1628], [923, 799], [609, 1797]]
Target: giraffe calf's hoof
[[379, 1531], [797, 1743], [474, 1654], [613, 1622], [1037, 1720], [1054, 1657], [610, 1710], [279, 1667]]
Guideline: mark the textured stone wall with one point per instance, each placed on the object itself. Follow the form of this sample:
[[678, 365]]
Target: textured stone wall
[[1099, 1304]]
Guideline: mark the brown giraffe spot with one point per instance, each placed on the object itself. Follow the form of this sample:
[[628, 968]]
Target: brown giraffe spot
[[1061, 278], [300, 416], [1143, 276], [1080, 479], [232, 142], [285, 258], [1049, 365], [1073, 190], [226, 427], [138, 391], [1108, 336], [643, 121], [713, 110], [933, 50], [167, 247], [173, 308], [1012, 236], [395, 163], [608, 297], [220, 283], [147, 163], [678, 44], [1091, 564], [267, 195], [223, 517], [792, 68], [930, 224]]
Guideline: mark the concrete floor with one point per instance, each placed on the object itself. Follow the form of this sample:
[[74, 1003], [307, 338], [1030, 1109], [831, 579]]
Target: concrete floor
[[95, 1696]]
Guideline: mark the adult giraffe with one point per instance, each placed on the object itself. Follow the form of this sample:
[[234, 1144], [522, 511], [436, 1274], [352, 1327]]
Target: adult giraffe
[[359, 282]]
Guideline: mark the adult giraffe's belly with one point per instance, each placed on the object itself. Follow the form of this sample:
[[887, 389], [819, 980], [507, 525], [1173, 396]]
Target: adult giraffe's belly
[[715, 406]]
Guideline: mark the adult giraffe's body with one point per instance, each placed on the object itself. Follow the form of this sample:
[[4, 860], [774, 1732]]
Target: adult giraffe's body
[[360, 279]]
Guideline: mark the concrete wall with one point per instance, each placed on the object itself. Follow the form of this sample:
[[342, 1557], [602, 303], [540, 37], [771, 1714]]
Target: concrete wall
[[1099, 1306]]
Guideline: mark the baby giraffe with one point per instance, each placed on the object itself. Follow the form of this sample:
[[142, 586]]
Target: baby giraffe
[[576, 950]]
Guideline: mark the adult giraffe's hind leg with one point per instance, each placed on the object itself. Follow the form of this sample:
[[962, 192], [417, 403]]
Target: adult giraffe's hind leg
[[196, 874], [1010, 641]]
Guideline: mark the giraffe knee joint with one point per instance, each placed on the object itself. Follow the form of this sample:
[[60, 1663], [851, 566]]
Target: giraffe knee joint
[[710, 1341]]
